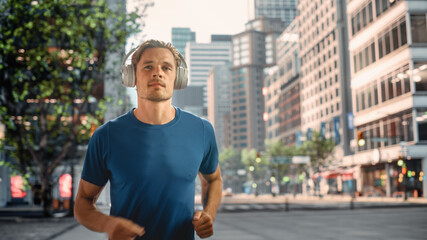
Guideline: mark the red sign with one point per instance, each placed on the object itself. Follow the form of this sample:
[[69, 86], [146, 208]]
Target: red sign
[[16, 187], [65, 185]]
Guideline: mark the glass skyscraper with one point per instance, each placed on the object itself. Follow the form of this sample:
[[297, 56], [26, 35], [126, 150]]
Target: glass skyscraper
[[180, 37]]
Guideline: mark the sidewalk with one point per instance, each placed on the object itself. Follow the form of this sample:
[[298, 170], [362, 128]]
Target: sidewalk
[[23, 222], [244, 202], [298, 199]]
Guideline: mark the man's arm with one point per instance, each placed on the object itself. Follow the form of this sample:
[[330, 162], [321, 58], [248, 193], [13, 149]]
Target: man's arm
[[211, 199], [88, 215]]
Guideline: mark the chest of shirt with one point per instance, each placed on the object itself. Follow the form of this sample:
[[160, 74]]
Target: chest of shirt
[[163, 155]]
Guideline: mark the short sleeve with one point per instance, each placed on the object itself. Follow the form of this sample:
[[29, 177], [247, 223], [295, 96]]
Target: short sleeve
[[94, 168], [210, 157]]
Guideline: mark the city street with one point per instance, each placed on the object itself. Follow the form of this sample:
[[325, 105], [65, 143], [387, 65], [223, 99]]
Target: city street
[[399, 223], [382, 223]]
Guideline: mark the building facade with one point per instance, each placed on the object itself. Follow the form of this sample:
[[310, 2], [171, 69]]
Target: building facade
[[218, 90], [252, 51], [325, 85], [180, 37], [200, 58], [388, 48], [282, 90], [283, 9]]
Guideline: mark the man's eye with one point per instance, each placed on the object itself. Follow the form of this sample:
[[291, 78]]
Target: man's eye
[[167, 68], [147, 67]]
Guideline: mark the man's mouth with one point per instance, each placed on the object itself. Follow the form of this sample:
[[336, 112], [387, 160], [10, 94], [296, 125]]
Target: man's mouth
[[156, 84]]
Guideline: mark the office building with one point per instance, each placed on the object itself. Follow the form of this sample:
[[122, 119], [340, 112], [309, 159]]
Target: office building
[[282, 90], [283, 9], [324, 75], [180, 37], [200, 58], [218, 90], [388, 48], [253, 51]]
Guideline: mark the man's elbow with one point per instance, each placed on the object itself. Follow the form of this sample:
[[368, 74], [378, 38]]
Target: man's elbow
[[77, 210]]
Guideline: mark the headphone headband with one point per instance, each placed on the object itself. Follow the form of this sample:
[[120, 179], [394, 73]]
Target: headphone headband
[[129, 78]]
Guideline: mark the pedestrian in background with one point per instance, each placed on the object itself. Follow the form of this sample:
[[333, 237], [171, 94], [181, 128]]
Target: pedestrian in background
[[151, 156]]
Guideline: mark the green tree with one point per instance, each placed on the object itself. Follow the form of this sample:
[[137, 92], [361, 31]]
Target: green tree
[[256, 163], [230, 159], [319, 149], [52, 63], [231, 163], [277, 148]]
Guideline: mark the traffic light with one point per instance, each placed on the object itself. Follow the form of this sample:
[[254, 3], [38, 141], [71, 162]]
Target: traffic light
[[360, 139], [401, 163], [258, 157]]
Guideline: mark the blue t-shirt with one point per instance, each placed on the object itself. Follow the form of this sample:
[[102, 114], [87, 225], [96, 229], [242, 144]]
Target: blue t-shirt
[[152, 170]]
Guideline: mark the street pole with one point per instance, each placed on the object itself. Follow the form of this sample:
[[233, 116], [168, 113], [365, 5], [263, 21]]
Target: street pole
[[71, 209]]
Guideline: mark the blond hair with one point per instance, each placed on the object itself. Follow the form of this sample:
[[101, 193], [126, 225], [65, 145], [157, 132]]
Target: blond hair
[[152, 43]]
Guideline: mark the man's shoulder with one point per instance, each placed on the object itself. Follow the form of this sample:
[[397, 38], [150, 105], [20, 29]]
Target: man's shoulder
[[115, 122], [191, 117]]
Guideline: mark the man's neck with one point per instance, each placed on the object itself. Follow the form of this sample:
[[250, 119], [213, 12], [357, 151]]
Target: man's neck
[[154, 113]]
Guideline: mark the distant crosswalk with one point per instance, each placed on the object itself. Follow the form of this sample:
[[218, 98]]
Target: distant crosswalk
[[227, 207]]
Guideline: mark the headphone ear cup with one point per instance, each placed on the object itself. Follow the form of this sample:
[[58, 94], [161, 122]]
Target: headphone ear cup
[[128, 76], [181, 80]]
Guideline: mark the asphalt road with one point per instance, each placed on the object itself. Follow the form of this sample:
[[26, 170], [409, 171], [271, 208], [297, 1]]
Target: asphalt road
[[270, 223], [383, 223]]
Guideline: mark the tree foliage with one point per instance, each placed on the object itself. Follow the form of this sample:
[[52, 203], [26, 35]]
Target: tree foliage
[[320, 150], [251, 158], [52, 62], [230, 159]]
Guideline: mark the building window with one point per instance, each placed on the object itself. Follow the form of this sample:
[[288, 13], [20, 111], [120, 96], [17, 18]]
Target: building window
[[392, 129], [421, 119], [382, 5], [419, 28], [361, 18], [420, 77]]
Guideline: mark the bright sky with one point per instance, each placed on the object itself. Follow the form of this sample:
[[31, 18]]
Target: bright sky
[[205, 17]]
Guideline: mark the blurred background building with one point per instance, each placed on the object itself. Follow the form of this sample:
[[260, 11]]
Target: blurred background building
[[282, 90], [200, 58], [388, 48], [283, 9], [180, 37], [253, 51], [218, 88]]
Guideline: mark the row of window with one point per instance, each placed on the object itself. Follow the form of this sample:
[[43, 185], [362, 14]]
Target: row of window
[[361, 18], [387, 131], [241, 145], [318, 90], [312, 52], [309, 33], [241, 100], [238, 71], [318, 115], [392, 39], [388, 87]]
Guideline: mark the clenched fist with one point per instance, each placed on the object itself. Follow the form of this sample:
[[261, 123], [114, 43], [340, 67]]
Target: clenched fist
[[203, 224], [123, 229]]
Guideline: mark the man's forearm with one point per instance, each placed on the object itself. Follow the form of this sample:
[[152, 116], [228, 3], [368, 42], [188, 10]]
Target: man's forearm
[[211, 196], [89, 216]]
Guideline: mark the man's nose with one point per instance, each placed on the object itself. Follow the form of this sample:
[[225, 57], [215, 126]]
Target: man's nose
[[158, 72]]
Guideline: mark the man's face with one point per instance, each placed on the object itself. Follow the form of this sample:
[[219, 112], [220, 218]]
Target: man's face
[[155, 75]]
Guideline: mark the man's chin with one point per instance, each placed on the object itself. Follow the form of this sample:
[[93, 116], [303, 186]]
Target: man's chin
[[157, 98]]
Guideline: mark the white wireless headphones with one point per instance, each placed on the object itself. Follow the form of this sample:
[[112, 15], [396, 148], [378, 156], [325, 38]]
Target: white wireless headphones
[[128, 73]]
